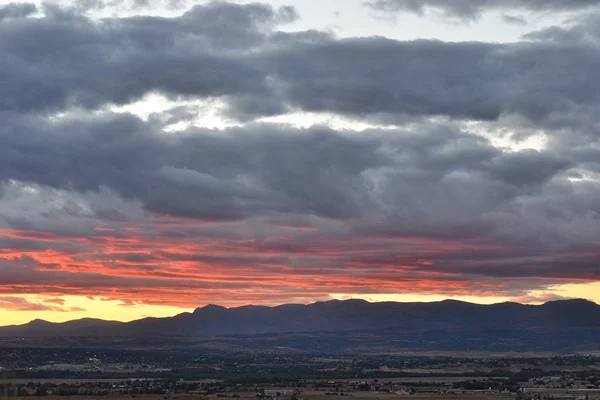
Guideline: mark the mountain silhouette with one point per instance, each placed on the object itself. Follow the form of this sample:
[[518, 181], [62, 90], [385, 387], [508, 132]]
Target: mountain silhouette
[[333, 316]]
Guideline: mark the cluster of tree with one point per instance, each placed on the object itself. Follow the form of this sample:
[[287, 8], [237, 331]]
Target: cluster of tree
[[101, 389]]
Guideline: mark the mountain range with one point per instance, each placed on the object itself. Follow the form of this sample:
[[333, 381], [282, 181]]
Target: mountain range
[[335, 317]]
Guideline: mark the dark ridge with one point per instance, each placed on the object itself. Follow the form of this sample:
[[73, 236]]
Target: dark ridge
[[332, 316]]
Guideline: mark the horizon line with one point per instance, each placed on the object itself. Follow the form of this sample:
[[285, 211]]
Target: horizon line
[[307, 304]]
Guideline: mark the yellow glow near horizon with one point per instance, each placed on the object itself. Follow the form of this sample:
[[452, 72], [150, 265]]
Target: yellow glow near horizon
[[588, 291], [114, 310], [417, 298], [94, 308]]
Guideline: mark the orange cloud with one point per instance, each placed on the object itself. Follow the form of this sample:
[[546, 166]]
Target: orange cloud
[[185, 263], [15, 303]]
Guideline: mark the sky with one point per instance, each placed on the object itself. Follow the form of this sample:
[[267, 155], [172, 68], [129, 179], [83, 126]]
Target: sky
[[161, 155]]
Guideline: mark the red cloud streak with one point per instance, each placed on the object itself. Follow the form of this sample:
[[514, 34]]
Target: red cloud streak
[[183, 263]]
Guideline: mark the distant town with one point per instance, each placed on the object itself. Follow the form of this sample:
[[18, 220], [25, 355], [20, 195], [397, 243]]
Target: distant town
[[164, 374]]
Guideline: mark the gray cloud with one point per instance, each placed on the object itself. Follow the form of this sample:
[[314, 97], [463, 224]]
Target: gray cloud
[[17, 10], [234, 53], [471, 10], [477, 81], [426, 180], [65, 59], [236, 173], [578, 31]]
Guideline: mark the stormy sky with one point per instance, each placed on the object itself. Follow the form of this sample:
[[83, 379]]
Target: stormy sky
[[159, 155]]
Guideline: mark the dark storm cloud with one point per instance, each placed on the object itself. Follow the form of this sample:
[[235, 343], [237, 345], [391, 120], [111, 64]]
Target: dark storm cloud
[[65, 59], [231, 52], [17, 10], [527, 167], [427, 180], [478, 81], [431, 178], [469, 9], [207, 174]]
